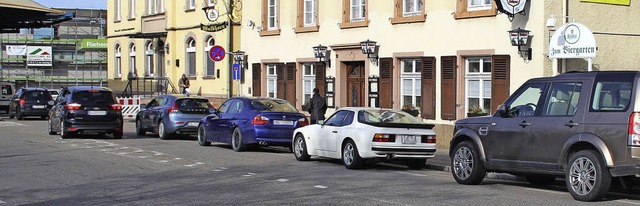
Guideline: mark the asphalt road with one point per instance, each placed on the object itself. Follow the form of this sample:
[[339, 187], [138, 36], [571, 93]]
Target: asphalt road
[[39, 169]]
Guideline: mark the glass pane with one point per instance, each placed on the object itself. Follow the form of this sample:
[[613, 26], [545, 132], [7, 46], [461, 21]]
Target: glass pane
[[486, 87], [407, 86], [407, 101], [192, 63], [487, 105], [525, 102], [408, 66], [307, 86], [474, 65], [418, 86], [474, 88], [474, 105], [486, 66], [418, 69], [307, 18], [408, 5], [307, 69], [418, 102]]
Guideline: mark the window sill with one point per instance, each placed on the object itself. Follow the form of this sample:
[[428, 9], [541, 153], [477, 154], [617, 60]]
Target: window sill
[[409, 19], [131, 18], [306, 29], [270, 33], [192, 77], [153, 15], [190, 10], [209, 77], [117, 21], [117, 78], [475, 14], [357, 24]]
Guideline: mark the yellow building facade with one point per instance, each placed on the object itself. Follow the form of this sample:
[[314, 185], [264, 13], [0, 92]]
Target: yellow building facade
[[447, 59], [151, 41]]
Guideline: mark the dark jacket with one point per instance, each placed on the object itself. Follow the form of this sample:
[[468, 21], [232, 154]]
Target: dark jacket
[[318, 107]]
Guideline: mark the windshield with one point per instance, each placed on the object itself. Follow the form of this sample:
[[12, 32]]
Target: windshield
[[373, 116], [97, 97], [272, 105]]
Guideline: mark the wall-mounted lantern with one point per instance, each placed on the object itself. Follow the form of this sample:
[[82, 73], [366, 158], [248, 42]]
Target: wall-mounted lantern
[[520, 38], [370, 48], [322, 54]]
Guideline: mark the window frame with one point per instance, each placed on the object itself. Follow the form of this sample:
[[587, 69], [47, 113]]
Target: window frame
[[132, 60], [149, 60], [579, 85], [308, 78], [483, 77], [266, 29], [190, 47], [209, 43], [132, 10], [416, 82], [272, 77], [399, 16], [463, 12], [191, 5], [347, 21], [301, 26], [118, 61], [118, 12]]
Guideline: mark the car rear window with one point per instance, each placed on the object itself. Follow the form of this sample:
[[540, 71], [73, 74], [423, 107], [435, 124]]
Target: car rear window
[[37, 95], [193, 103], [94, 97], [6, 90], [378, 116], [612, 92], [272, 105]]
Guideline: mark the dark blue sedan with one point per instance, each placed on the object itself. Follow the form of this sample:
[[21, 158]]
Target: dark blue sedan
[[244, 121]]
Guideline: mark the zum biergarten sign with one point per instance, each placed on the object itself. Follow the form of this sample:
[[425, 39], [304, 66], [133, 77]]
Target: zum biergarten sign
[[214, 27]]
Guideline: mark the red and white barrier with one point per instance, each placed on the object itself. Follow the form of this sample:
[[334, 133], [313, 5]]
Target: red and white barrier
[[130, 107]]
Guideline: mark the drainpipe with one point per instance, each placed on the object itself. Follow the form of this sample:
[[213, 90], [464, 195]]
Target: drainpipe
[[565, 19]]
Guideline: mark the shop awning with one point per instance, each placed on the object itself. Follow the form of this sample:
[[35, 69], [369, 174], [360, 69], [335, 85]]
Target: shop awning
[[16, 14]]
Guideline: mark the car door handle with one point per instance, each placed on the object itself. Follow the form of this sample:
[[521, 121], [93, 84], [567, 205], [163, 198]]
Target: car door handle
[[334, 131], [524, 124], [571, 124]]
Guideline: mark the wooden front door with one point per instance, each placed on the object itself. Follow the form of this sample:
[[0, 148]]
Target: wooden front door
[[355, 85]]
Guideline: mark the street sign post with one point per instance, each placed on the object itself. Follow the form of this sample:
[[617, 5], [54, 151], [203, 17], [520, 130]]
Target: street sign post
[[217, 53]]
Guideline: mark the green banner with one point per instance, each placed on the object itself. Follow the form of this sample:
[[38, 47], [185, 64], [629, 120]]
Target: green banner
[[93, 44], [616, 2]]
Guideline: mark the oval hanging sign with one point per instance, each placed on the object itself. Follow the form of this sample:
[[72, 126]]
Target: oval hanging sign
[[572, 40]]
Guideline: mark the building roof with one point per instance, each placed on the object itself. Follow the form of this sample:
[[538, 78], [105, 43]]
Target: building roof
[[16, 14]]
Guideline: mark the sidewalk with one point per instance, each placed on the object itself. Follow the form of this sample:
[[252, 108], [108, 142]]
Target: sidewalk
[[442, 162]]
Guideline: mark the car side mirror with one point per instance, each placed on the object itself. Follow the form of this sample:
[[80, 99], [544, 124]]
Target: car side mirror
[[213, 111], [502, 110], [321, 121]]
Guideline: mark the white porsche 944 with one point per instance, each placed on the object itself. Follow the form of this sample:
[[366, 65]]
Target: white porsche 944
[[355, 134]]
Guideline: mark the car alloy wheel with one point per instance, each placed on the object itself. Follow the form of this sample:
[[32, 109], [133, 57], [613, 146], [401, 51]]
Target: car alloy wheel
[[162, 132], [139, 130], [463, 163], [300, 148], [582, 176], [202, 138], [237, 143], [348, 154]]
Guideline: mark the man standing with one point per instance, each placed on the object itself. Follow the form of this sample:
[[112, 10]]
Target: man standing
[[184, 83], [318, 107]]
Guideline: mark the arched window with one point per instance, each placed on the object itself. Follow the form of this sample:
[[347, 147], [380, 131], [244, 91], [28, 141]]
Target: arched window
[[148, 59], [191, 57], [118, 61], [132, 60], [210, 64]]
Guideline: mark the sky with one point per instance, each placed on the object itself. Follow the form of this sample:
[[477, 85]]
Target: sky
[[72, 4]]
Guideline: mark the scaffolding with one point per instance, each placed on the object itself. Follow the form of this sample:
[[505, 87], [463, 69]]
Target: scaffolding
[[70, 65]]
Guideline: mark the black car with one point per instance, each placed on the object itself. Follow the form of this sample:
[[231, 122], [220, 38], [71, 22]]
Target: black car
[[86, 109], [30, 102]]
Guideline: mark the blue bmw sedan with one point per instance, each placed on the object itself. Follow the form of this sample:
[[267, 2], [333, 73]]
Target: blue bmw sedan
[[245, 121]]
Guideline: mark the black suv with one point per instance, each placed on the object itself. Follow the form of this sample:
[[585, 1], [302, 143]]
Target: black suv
[[30, 102], [584, 126], [86, 109]]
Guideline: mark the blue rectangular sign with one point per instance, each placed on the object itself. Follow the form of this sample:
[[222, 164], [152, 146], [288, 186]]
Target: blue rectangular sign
[[236, 71]]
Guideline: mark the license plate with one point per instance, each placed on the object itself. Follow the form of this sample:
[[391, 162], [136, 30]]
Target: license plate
[[192, 124], [408, 139], [97, 113], [282, 122], [39, 106]]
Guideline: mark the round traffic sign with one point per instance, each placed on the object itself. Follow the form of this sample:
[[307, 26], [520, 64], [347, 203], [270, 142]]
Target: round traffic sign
[[217, 53]]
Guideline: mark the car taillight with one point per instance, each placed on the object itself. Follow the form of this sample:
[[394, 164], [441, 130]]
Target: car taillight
[[384, 137], [73, 106], [173, 108], [259, 120], [634, 129], [116, 107], [22, 102], [303, 122], [428, 139]]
